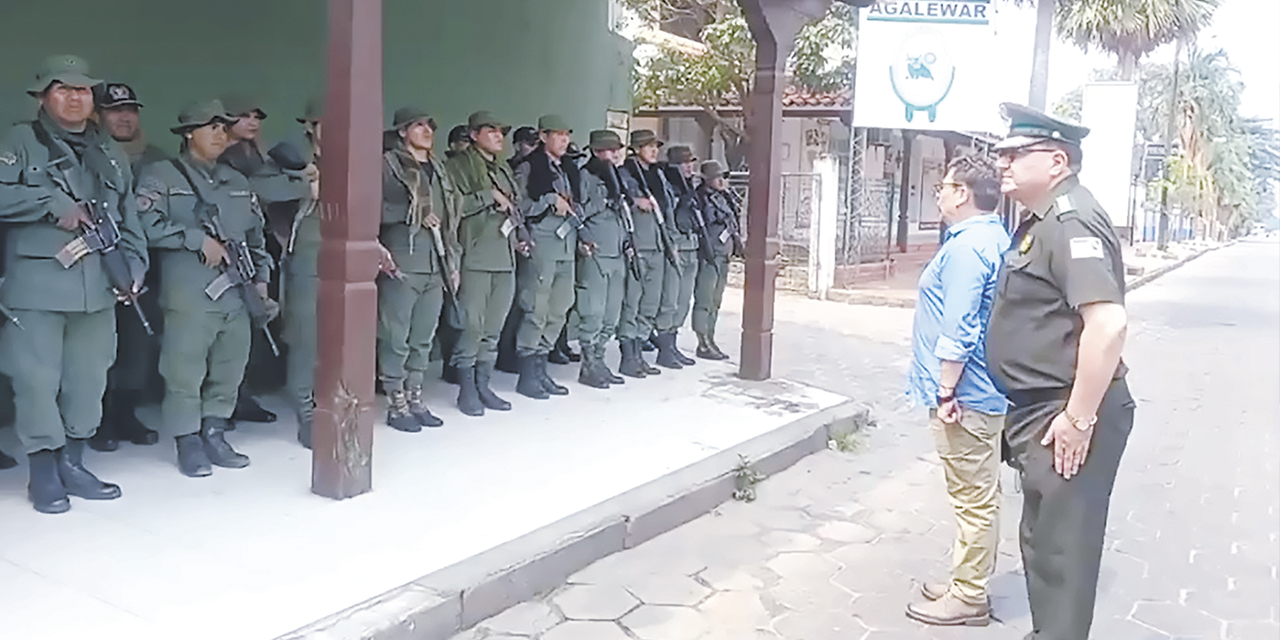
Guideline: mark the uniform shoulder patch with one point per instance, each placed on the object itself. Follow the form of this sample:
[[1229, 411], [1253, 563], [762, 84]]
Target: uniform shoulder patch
[[1086, 247], [148, 193]]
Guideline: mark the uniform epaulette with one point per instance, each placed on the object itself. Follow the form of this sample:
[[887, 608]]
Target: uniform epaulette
[[1065, 205]]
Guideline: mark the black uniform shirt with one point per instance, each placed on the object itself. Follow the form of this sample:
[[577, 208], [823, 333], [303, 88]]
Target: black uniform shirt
[[1059, 260]]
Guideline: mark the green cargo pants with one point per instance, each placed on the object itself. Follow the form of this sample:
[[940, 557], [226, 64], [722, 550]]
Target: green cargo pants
[[601, 286], [677, 292], [58, 363], [301, 334], [708, 294], [545, 294], [408, 315], [484, 298], [643, 298], [202, 357]]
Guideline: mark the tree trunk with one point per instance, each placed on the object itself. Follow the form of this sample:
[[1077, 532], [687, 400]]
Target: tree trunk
[[1128, 65], [1039, 94]]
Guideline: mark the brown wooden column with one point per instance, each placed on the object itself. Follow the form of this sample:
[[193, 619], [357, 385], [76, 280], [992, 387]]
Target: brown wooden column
[[774, 25], [350, 196]]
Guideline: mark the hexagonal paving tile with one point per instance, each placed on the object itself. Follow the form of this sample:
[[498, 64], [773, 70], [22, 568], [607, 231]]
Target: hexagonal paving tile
[[668, 590], [730, 579], [803, 566], [1175, 619], [736, 610], [1252, 631], [810, 595], [595, 602], [781, 541], [586, 630], [847, 532], [901, 522], [826, 625], [651, 622], [1234, 606], [527, 619]]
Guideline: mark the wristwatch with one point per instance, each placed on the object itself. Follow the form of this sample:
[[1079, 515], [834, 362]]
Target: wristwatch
[[947, 398], [1080, 423]]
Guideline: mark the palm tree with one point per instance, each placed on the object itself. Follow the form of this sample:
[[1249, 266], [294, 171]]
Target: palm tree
[[1131, 29]]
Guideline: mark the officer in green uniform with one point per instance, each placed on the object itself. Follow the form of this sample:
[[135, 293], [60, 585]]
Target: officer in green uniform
[[680, 172], [1054, 348], [135, 373], [550, 188], [602, 273], [206, 342], [295, 225], [246, 154], [419, 221], [720, 212], [644, 294], [488, 235], [62, 180]]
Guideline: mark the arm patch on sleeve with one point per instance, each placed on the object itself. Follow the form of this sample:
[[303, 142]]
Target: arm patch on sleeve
[[1082, 248]]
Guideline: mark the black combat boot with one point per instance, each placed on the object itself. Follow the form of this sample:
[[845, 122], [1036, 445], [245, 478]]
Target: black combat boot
[[123, 416], [563, 353], [675, 348], [6, 462], [648, 344], [484, 372], [666, 351], [468, 396], [590, 373], [105, 438], [449, 373], [413, 393], [548, 383], [212, 431], [44, 488], [631, 364], [398, 415], [715, 349], [76, 479], [248, 410], [193, 462], [305, 413], [530, 383], [604, 368], [707, 351]]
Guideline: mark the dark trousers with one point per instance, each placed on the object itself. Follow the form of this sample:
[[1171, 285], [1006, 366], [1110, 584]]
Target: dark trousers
[[1064, 521]]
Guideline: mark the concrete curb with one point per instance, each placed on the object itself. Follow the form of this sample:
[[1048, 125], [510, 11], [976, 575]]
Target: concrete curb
[[1146, 278], [456, 598]]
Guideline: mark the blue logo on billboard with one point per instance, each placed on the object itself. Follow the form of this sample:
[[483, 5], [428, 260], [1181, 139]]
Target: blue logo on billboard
[[922, 73]]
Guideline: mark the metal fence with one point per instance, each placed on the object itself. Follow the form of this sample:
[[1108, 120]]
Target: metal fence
[[866, 211]]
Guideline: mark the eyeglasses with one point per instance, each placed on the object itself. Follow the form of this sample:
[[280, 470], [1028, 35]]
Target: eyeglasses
[[1014, 154], [937, 188]]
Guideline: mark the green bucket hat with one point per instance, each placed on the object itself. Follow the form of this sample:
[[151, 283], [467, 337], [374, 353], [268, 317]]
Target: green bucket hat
[[406, 116], [643, 137], [553, 123], [69, 70], [482, 119], [680, 154], [238, 104], [313, 111], [200, 114], [711, 169], [604, 140]]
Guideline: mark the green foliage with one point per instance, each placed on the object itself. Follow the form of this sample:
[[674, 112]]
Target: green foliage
[[745, 479], [1130, 29]]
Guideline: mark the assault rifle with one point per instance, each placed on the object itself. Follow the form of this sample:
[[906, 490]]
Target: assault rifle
[[515, 221], [238, 271], [100, 235]]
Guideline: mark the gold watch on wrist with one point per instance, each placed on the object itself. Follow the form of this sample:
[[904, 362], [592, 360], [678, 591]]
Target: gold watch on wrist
[[1080, 423]]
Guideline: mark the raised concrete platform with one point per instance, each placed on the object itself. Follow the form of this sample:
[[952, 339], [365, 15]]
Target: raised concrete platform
[[463, 521]]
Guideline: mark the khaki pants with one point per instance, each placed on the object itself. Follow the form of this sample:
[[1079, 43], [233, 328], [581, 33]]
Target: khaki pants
[[970, 453]]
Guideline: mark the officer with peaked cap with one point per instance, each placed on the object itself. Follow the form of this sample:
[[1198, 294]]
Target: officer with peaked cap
[[419, 230], [134, 374], [206, 342], [1054, 348], [61, 177]]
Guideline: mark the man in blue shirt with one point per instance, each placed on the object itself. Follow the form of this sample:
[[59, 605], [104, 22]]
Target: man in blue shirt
[[949, 375]]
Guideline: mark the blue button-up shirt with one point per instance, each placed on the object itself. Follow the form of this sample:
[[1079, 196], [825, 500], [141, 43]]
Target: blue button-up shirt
[[954, 305]]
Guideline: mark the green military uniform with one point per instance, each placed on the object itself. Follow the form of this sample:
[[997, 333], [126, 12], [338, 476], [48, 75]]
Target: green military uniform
[[63, 297], [720, 213], [409, 304], [683, 231], [643, 301], [1063, 256], [602, 275], [135, 372], [206, 342], [487, 267], [300, 278], [545, 284]]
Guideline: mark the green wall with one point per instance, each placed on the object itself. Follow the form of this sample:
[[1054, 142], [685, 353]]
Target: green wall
[[517, 58]]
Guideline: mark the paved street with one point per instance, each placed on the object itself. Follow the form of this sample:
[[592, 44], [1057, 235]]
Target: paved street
[[834, 547]]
